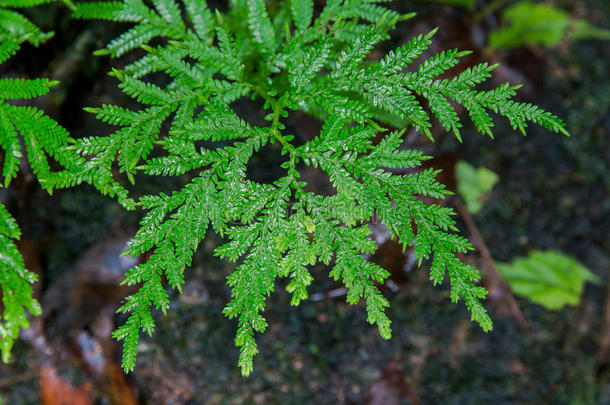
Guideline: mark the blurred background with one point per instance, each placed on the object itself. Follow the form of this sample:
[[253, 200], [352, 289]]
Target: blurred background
[[537, 209]]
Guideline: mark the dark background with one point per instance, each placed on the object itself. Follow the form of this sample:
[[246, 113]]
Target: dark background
[[553, 193]]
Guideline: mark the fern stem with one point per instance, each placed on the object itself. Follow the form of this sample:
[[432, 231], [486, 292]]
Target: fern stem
[[277, 112], [277, 134]]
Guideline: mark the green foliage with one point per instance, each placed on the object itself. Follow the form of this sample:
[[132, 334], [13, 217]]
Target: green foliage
[[549, 278], [474, 184], [16, 283], [42, 139], [15, 26], [527, 23], [290, 62]]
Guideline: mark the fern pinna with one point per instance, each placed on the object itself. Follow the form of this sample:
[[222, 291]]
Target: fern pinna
[[15, 26], [283, 56]]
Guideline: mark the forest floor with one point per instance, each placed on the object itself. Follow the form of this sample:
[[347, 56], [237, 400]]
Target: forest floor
[[553, 193]]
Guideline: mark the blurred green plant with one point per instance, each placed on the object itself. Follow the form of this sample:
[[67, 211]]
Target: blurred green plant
[[16, 26], [539, 24], [551, 279], [474, 184]]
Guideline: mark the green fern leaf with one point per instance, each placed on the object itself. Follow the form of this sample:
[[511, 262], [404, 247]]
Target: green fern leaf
[[280, 57]]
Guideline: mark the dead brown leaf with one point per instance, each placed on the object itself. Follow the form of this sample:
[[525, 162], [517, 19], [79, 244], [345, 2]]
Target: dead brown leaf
[[54, 390]]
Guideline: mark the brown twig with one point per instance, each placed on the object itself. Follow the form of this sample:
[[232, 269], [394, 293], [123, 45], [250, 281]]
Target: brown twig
[[26, 376], [502, 291], [603, 352], [336, 292]]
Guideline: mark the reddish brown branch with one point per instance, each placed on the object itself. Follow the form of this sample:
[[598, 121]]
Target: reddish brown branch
[[498, 289]]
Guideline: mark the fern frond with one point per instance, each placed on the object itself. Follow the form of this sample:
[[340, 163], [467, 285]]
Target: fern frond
[[100, 10], [281, 57], [11, 89], [16, 284], [302, 13], [43, 139], [260, 25], [16, 26]]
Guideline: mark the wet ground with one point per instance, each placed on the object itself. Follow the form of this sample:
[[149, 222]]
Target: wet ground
[[553, 193]]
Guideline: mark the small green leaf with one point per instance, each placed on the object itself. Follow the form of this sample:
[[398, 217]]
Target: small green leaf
[[551, 279], [527, 23], [474, 184]]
